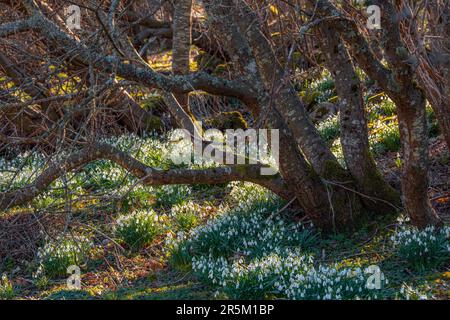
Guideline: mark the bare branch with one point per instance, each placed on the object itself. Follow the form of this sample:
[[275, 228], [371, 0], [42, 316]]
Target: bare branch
[[10, 28], [144, 75]]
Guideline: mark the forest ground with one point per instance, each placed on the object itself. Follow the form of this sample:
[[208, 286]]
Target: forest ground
[[135, 236]]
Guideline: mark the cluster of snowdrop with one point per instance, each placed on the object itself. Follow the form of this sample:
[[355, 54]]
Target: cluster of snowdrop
[[326, 282], [128, 142], [255, 280], [290, 274], [245, 195], [329, 128], [14, 180], [25, 159], [149, 149], [24, 169], [138, 228], [181, 150], [178, 149], [100, 175], [186, 216], [103, 175], [322, 90], [20, 171], [252, 232], [425, 248], [240, 225], [57, 255]]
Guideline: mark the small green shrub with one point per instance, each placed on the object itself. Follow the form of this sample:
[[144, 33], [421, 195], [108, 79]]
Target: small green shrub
[[41, 282], [179, 255], [138, 229], [249, 232], [423, 249], [387, 108], [326, 84], [330, 129], [57, 255], [246, 196], [288, 274], [320, 90], [6, 288], [185, 216], [387, 139]]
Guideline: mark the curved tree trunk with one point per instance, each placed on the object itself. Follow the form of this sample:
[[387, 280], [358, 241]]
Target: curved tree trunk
[[345, 204], [329, 206], [146, 174], [379, 196], [439, 93], [410, 102], [299, 176]]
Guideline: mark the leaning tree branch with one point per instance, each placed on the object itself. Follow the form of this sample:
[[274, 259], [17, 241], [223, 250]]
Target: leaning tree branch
[[10, 28], [146, 174]]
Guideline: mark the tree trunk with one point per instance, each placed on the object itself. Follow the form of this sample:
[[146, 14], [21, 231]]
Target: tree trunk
[[328, 206], [181, 47], [379, 196], [410, 102], [398, 83], [413, 128], [440, 55]]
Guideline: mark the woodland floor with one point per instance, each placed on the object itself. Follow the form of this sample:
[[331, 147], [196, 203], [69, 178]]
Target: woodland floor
[[114, 272]]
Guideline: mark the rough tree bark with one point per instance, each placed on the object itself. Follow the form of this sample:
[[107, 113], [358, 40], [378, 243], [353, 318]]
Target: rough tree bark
[[181, 44], [400, 86], [412, 122], [147, 175]]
